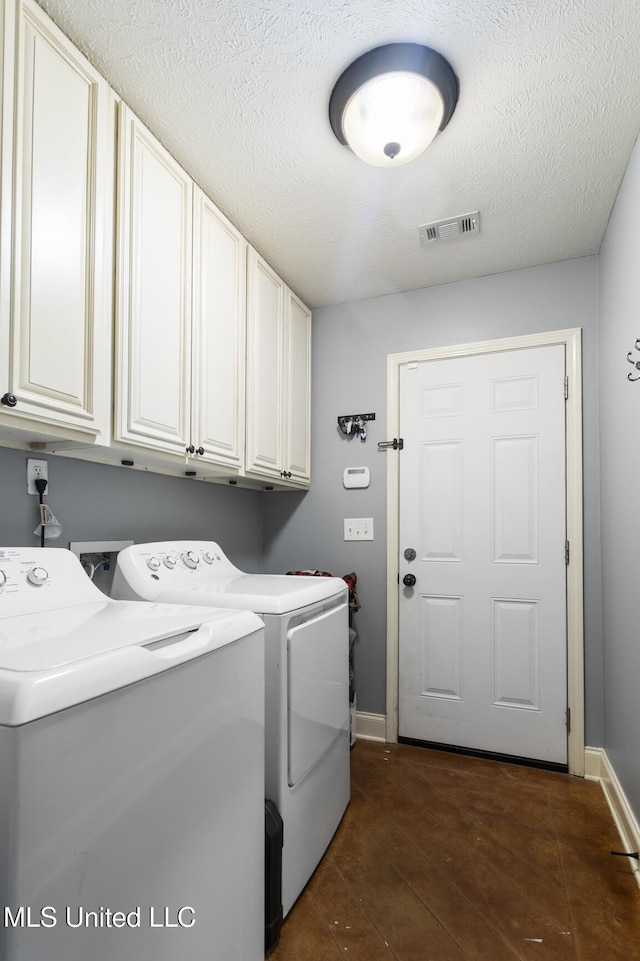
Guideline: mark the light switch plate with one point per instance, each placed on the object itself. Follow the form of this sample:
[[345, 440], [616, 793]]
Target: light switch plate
[[358, 528]]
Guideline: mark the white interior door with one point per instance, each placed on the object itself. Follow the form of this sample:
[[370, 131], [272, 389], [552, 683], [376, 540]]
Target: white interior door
[[483, 633]]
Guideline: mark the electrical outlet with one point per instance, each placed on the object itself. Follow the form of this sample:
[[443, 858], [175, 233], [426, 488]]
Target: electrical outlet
[[358, 528], [36, 469]]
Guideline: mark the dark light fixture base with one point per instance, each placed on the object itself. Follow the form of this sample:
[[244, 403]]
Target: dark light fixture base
[[413, 58]]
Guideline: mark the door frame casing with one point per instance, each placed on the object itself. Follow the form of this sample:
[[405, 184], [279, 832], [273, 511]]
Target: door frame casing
[[571, 339]]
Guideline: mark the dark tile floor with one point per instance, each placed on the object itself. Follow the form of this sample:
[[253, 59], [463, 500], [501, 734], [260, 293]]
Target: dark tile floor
[[441, 857]]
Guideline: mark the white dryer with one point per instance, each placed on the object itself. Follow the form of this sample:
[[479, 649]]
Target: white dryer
[[131, 752], [307, 771]]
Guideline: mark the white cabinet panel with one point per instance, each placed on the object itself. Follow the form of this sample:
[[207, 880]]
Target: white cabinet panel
[[265, 332], [154, 306], [7, 69], [219, 312], [278, 377], [298, 389], [63, 190]]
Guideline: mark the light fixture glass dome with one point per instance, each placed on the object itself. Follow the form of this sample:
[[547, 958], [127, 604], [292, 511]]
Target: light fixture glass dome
[[393, 118], [389, 104]]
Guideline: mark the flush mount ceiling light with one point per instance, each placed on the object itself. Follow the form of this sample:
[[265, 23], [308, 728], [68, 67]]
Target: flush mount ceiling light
[[389, 104]]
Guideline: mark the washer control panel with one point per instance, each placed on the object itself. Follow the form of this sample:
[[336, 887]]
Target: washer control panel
[[171, 563], [36, 579], [20, 570], [182, 557]]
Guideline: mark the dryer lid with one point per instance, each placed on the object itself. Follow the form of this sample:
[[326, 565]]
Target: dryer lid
[[263, 593]]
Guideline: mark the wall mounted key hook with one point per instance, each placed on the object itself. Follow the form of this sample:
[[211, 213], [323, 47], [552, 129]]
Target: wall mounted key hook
[[636, 363]]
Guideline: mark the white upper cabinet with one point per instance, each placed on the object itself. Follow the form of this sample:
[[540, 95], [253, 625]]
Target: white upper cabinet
[[265, 387], [7, 67], [153, 319], [56, 338], [136, 323], [218, 346], [298, 399], [181, 311], [278, 378]]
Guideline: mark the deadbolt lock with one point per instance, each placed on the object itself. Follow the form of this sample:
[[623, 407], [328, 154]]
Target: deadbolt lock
[[409, 554]]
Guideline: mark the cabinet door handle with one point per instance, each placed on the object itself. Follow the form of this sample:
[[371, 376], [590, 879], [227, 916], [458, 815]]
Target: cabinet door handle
[[200, 451], [9, 400], [190, 449]]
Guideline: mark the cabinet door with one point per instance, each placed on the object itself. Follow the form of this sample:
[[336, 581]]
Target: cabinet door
[[265, 396], [60, 356], [7, 70], [154, 293], [219, 317], [298, 395]]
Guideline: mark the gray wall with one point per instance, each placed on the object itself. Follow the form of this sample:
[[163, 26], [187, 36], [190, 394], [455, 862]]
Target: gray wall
[[620, 479], [350, 346], [95, 502]]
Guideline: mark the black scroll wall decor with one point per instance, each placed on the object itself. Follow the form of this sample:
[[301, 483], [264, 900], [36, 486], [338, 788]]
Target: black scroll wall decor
[[636, 363]]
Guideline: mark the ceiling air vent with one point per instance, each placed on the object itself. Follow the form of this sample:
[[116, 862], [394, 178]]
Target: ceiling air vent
[[452, 227]]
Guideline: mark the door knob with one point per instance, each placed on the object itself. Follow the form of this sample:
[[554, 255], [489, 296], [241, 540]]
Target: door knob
[[409, 580]]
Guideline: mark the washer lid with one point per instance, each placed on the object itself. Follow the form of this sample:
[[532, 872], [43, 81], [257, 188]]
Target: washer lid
[[52, 660], [263, 593]]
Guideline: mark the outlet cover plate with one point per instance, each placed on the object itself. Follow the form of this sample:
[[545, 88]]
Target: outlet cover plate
[[35, 469]]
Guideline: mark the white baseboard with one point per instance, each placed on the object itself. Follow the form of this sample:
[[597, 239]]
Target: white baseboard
[[598, 768], [593, 763], [370, 727]]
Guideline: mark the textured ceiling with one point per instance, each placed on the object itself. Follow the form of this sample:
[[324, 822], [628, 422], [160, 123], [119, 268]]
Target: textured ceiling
[[238, 90]]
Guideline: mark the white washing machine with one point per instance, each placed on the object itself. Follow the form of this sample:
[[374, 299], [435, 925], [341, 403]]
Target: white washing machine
[[131, 759], [306, 681]]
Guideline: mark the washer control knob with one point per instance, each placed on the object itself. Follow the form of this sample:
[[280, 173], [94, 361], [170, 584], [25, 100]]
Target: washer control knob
[[190, 559], [37, 576], [3, 579], [153, 563], [169, 561], [208, 557]]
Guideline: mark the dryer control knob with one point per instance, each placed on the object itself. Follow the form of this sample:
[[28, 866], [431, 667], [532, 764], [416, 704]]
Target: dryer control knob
[[169, 561], [153, 563], [37, 576], [208, 557], [3, 579], [190, 559]]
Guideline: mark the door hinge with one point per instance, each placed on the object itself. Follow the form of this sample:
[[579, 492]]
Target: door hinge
[[568, 720], [396, 444], [566, 388], [566, 552]]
